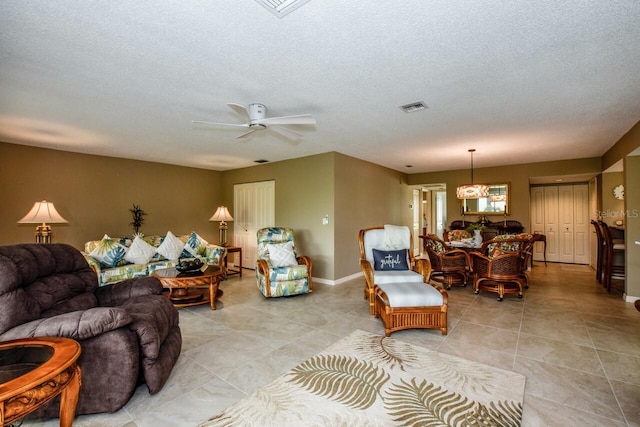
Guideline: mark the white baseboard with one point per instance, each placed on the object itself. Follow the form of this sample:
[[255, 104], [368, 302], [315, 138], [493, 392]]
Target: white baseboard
[[337, 282]]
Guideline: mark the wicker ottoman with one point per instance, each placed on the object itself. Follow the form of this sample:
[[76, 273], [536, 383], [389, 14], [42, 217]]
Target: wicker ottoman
[[411, 306]]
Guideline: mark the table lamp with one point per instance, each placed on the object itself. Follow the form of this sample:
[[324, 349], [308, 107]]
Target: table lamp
[[42, 213], [222, 214]]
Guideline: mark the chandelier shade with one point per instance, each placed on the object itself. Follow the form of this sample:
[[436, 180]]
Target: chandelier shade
[[472, 191]]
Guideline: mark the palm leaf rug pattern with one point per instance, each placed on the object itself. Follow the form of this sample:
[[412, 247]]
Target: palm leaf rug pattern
[[369, 380]]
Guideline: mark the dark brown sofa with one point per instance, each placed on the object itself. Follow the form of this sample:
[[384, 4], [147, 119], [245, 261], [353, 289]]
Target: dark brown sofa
[[128, 331]]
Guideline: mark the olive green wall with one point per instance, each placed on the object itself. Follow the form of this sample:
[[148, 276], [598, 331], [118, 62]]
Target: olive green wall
[[304, 190], [613, 209], [632, 225], [625, 145], [517, 175], [366, 195], [94, 194]]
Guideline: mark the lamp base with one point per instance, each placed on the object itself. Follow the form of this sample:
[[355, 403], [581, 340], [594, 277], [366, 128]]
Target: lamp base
[[43, 233], [223, 234]]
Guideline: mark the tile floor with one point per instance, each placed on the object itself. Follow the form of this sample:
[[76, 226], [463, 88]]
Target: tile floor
[[578, 346]]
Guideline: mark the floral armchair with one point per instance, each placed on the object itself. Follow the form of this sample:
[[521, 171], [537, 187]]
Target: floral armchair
[[279, 270]]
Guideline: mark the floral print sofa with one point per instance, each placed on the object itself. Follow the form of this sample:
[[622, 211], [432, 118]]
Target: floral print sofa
[[119, 258]]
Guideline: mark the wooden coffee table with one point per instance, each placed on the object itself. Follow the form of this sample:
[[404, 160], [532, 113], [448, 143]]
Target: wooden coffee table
[[35, 370], [187, 289]]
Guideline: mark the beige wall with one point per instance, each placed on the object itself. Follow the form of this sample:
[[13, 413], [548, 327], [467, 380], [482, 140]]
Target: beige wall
[[517, 175], [94, 194], [366, 195], [304, 190], [613, 209], [307, 189], [632, 226]]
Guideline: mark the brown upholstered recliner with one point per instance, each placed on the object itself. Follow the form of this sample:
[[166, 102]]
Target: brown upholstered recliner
[[128, 331]]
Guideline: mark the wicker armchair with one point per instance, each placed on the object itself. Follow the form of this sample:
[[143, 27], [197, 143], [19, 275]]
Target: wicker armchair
[[501, 266], [449, 266], [419, 269]]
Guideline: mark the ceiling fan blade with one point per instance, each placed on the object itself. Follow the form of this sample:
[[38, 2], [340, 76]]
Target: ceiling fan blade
[[243, 125], [246, 134], [286, 132], [301, 119], [240, 109]]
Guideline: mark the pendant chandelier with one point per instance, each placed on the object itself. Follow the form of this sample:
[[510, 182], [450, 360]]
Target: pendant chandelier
[[472, 191]]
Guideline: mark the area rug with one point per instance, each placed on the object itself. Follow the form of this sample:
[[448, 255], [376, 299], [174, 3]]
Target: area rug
[[369, 380]]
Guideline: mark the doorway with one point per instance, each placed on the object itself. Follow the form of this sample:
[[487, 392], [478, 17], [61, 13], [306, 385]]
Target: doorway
[[254, 207]]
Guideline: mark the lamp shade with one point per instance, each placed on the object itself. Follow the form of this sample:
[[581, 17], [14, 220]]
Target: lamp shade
[[42, 212], [221, 214], [472, 191]]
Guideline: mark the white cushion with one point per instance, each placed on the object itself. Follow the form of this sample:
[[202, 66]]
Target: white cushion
[[171, 247], [281, 254], [376, 239], [397, 237], [140, 252], [397, 276], [412, 295]]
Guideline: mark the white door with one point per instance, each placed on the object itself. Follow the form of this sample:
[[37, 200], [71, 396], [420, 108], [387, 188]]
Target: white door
[[551, 222], [537, 220], [440, 210], [581, 224], [254, 205], [565, 223], [416, 207]]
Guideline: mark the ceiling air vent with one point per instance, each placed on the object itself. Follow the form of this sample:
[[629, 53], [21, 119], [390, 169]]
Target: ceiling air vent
[[281, 8], [413, 107]]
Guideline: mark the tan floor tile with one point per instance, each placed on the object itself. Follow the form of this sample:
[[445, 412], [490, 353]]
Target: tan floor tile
[[629, 397], [559, 353], [540, 412], [556, 330], [621, 367]]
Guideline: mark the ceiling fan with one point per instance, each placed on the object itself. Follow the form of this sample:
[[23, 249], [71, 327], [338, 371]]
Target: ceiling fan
[[256, 115]]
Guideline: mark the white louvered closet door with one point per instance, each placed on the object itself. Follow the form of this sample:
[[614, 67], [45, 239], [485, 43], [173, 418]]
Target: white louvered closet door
[[254, 207]]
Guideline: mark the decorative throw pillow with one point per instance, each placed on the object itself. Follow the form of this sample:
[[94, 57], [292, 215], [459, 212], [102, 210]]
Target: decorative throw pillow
[[281, 254], [390, 260], [109, 252], [496, 251], [396, 236], [195, 246], [140, 252], [171, 247]]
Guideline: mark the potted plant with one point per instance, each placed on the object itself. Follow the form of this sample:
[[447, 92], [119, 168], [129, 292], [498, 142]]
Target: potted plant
[[476, 229], [138, 217]]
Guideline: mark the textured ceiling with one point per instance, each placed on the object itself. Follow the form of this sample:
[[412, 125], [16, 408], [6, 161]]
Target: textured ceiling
[[519, 81]]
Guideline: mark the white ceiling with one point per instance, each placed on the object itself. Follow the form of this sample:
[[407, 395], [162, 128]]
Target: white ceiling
[[519, 80]]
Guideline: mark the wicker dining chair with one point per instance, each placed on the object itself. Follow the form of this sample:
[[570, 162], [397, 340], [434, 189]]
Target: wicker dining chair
[[500, 267], [449, 266]]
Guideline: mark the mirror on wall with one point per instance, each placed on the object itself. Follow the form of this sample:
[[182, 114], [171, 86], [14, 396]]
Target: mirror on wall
[[496, 203]]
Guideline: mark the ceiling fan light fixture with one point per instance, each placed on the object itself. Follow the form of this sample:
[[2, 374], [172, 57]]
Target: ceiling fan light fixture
[[472, 191]]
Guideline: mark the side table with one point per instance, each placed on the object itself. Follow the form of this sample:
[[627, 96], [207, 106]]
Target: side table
[[231, 250], [35, 370]]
